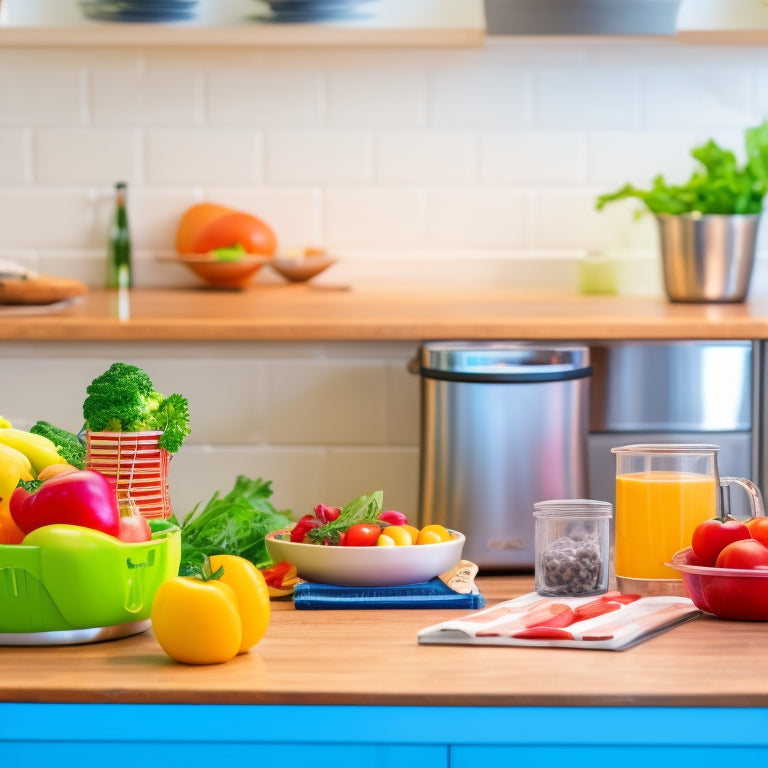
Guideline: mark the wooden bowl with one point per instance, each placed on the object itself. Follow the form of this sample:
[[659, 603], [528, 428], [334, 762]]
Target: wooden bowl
[[232, 275], [301, 270]]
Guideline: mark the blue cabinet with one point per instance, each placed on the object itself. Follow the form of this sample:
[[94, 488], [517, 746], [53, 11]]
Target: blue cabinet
[[95, 735]]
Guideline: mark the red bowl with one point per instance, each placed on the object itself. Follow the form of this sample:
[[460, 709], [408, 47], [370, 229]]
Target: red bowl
[[728, 593]]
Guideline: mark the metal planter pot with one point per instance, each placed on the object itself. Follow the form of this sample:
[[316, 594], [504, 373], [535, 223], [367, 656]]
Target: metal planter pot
[[707, 258]]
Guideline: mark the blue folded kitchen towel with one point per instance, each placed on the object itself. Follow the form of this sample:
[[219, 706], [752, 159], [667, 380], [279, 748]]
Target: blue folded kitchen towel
[[425, 594]]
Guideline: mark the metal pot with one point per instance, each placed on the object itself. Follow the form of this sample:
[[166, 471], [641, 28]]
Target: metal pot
[[707, 258]]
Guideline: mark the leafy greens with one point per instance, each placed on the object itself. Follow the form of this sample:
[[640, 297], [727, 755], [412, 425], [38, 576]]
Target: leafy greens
[[720, 186], [234, 524]]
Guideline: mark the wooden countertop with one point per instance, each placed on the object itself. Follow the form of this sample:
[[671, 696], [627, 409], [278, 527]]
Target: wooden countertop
[[308, 312], [372, 657]]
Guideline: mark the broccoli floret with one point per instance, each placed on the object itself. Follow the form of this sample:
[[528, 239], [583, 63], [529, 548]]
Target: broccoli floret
[[123, 399], [68, 445], [115, 400], [173, 418]]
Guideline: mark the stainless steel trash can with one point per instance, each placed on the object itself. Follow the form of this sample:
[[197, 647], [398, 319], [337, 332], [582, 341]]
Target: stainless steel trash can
[[502, 426]]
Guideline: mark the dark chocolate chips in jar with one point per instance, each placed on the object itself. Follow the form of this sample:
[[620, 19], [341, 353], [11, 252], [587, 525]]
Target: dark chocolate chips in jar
[[571, 566]]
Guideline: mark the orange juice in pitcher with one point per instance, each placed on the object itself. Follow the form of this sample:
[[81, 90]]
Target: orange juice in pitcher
[[662, 493], [659, 512]]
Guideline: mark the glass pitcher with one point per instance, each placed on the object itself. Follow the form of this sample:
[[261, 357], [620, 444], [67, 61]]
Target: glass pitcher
[[662, 493]]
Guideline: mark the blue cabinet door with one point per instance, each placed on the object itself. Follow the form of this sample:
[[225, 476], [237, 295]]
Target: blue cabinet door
[[95, 735]]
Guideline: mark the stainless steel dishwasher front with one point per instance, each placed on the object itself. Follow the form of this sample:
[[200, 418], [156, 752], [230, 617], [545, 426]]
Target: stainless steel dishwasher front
[[503, 426], [675, 392]]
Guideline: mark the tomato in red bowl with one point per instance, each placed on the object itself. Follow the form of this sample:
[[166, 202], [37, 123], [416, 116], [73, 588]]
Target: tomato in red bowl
[[728, 593]]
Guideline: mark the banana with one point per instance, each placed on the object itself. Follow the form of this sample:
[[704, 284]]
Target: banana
[[14, 466], [4, 423], [40, 451]]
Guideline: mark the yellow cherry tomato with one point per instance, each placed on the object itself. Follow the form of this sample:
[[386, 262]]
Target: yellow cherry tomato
[[433, 534], [252, 593], [399, 535], [385, 541], [196, 621], [413, 530]]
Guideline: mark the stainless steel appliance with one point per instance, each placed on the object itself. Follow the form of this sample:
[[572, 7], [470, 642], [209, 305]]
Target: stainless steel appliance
[[675, 392], [503, 427]]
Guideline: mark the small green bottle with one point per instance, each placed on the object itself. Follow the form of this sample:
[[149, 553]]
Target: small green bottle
[[119, 274]]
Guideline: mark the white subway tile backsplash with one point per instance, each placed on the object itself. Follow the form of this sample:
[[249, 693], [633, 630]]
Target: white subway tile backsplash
[[376, 96], [428, 158], [14, 156], [316, 404], [616, 157], [81, 156], [380, 218], [586, 97], [41, 87], [715, 95], [403, 404], [153, 216], [480, 96], [263, 96], [199, 157], [568, 219], [39, 218], [532, 158], [326, 158], [482, 218], [128, 89]]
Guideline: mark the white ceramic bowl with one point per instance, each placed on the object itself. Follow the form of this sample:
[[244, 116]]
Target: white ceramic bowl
[[367, 566]]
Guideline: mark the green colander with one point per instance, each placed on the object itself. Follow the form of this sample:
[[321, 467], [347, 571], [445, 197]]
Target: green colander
[[67, 577]]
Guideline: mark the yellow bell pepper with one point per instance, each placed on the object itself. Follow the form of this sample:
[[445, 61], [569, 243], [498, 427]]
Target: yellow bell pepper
[[211, 618], [14, 466], [250, 588]]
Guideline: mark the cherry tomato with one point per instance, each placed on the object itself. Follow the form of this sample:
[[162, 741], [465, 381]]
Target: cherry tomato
[[413, 530], [398, 535], [133, 528], [433, 534], [362, 535], [748, 553], [711, 536], [758, 529]]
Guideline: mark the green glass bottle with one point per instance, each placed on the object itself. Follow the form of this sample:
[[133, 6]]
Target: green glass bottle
[[119, 273]]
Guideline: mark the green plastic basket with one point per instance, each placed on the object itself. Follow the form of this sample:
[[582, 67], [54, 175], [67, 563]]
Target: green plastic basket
[[68, 577]]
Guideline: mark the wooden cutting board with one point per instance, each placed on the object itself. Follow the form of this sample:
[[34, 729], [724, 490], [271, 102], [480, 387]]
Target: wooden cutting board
[[41, 289]]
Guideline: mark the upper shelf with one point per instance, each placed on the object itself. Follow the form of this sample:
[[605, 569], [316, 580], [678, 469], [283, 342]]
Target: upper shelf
[[243, 22], [417, 23]]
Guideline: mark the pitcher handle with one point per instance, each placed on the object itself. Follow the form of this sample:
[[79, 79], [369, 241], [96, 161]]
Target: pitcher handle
[[753, 492]]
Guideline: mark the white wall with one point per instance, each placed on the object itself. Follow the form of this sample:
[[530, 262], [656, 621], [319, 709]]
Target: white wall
[[455, 165]]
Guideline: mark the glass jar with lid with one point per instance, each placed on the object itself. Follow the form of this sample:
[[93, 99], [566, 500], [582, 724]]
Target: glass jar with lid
[[572, 544]]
